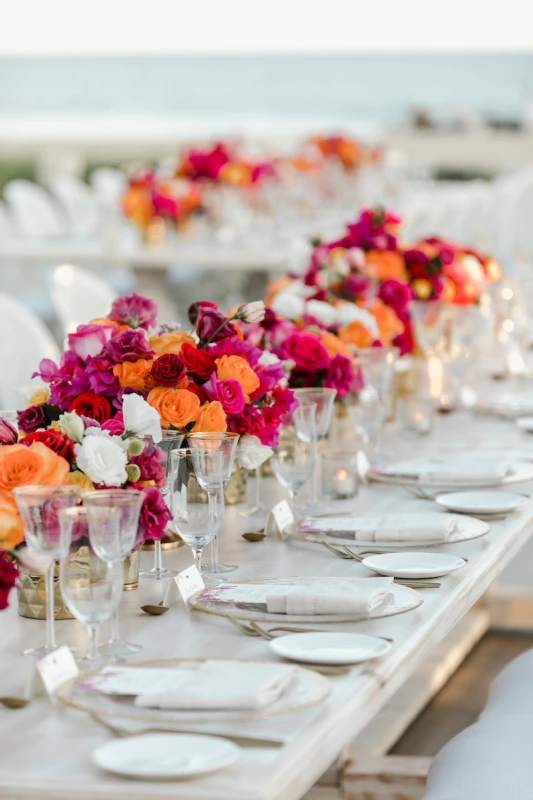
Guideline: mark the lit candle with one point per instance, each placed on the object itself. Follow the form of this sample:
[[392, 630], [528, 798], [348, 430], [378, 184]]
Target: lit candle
[[343, 484]]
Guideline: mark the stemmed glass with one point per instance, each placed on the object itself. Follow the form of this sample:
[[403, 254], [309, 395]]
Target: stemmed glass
[[294, 459], [226, 443], [39, 507], [197, 498], [114, 541], [169, 442], [91, 587], [428, 318], [324, 400], [369, 412]]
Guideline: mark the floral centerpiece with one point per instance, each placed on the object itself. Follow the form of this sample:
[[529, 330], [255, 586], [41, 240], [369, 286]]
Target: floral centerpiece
[[149, 198], [222, 165], [345, 150], [360, 285]]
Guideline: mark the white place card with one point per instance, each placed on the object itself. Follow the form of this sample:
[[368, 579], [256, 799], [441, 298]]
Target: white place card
[[186, 585], [282, 516], [56, 668]]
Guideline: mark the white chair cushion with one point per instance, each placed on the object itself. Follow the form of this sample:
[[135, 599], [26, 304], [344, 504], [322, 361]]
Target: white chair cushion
[[490, 760], [512, 691]]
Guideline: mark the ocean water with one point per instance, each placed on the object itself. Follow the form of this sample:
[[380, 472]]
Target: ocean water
[[334, 88]]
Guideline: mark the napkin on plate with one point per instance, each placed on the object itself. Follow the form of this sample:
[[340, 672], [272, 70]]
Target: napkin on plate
[[353, 596], [460, 469], [385, 528], [221, 685]]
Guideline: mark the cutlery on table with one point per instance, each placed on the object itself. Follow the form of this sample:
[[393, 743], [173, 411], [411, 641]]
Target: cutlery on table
[[253, 629], [243, 741], [14, 702]]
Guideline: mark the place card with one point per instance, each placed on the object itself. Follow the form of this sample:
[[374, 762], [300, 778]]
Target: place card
[[186, 585], [54, 669], [281, 515]]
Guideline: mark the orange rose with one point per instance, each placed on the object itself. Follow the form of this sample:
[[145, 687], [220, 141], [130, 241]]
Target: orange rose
[[170, 343], [11, 525], [133, 373], [356, 334], [334, 345], [19, 466], [55, 468], [211, 419], [175, 408], [385, 266], [137, 205], [238, 369], [388, 323]]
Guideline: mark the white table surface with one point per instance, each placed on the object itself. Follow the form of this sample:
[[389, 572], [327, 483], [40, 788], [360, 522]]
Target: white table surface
[[45, 750]]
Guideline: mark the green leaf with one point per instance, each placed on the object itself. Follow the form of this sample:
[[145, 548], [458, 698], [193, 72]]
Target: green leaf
[[52, 412]]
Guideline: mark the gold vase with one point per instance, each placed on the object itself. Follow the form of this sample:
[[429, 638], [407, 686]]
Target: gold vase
[[32, 592]]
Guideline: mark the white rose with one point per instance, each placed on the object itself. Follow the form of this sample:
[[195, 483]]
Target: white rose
[[289, 305], [298, 257], [323, 312], [102, 460], [140, 419], [252, 453], [267, 359], [72, 426], [348, 312]]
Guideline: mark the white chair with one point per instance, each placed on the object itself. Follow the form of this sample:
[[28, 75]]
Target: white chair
[[33, 210], [78, 202], [78, 296], [24, 341], [108, 185]]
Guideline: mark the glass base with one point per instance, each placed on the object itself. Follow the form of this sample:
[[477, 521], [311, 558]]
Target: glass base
[[116, 648], [40, 652], [87, 664], [215, 569], [255, 511], [211, 581], [317, 509], [158, 573]]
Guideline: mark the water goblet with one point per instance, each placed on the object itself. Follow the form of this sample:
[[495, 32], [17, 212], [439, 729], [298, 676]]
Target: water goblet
[[91, 587], [170, 441], [114, 541], [428, 318], [324, 400], [369, 412], [295, 457], [226, 443], [198, 504], [39, 507]]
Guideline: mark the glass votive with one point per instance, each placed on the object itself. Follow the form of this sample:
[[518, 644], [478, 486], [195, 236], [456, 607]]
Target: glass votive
[[339, 475], [417, 414]]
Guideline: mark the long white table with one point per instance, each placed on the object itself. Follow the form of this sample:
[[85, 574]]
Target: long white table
[[45, 750]]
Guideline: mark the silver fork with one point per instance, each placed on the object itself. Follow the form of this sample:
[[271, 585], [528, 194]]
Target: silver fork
[[253, 629]]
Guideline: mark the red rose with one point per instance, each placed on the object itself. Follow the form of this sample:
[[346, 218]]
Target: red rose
[[91, 405], [8, 577], [197, 362], [168, 370], [55, 440], [199, 392]]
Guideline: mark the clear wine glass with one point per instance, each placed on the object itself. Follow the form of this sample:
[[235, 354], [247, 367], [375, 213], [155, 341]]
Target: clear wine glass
[[324, 401], [294, 459], [39, 507], [198, 504], [91, 587], [369, 412], [226, 443], [170, 441], [114, 541], [428, 317]]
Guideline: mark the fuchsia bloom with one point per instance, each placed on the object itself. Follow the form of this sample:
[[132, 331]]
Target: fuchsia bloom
[[340, 376], [206, 163], [396, 294], [229, 393], [307, 351], [128, 345], [135, 311], [212, 326], [154, 516], [115, 425], [151, 463]]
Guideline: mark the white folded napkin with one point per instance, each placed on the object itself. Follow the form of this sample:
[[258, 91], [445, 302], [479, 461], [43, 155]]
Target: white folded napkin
[[456, 468], [350, 596], [385, 528], [219, 685]]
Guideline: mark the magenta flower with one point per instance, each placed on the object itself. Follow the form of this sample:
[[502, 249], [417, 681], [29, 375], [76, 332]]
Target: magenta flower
[[31, 419], [212, 326], [8, 432], [396, 294], [355, 285], [340, 376], [164, 206], [206, 164], [89, 340], [135, 311], [128, 345], [307, 351], [99, 373], [154, 516], [115, 425], [151, 463], [229, 393]]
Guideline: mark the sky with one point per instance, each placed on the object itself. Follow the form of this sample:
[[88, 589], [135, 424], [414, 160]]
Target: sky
[[69, 27]]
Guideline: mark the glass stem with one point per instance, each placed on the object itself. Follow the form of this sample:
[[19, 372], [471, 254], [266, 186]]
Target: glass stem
[[115, 626], [49, 589], [158, 558], [313, 487], [197, 553], [258, 477], [213, 551], [93, 642]]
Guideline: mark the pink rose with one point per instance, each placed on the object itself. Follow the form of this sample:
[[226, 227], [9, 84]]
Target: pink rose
[[396, 294], [8, 432], [90, 340], [115, 425], [307, 351], [135, 311], [229, 393], [341, 376]]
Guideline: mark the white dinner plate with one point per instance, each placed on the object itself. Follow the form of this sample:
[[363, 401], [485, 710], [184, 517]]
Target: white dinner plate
[[330, 648], [525, 424], [481, 502], [519, 472], [166, 756], [507, 405], [317, 531], [413, 565]]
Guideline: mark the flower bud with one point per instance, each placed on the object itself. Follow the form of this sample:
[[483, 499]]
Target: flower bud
[[135, 447], [134, 473]]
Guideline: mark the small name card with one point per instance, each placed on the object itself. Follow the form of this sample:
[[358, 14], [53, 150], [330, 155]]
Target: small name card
[[186, 584], [282, 516], [56, 668]]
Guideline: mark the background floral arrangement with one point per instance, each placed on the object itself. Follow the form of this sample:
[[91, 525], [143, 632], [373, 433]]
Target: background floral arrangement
[[149, 197], [360, 286], [222, 164]]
